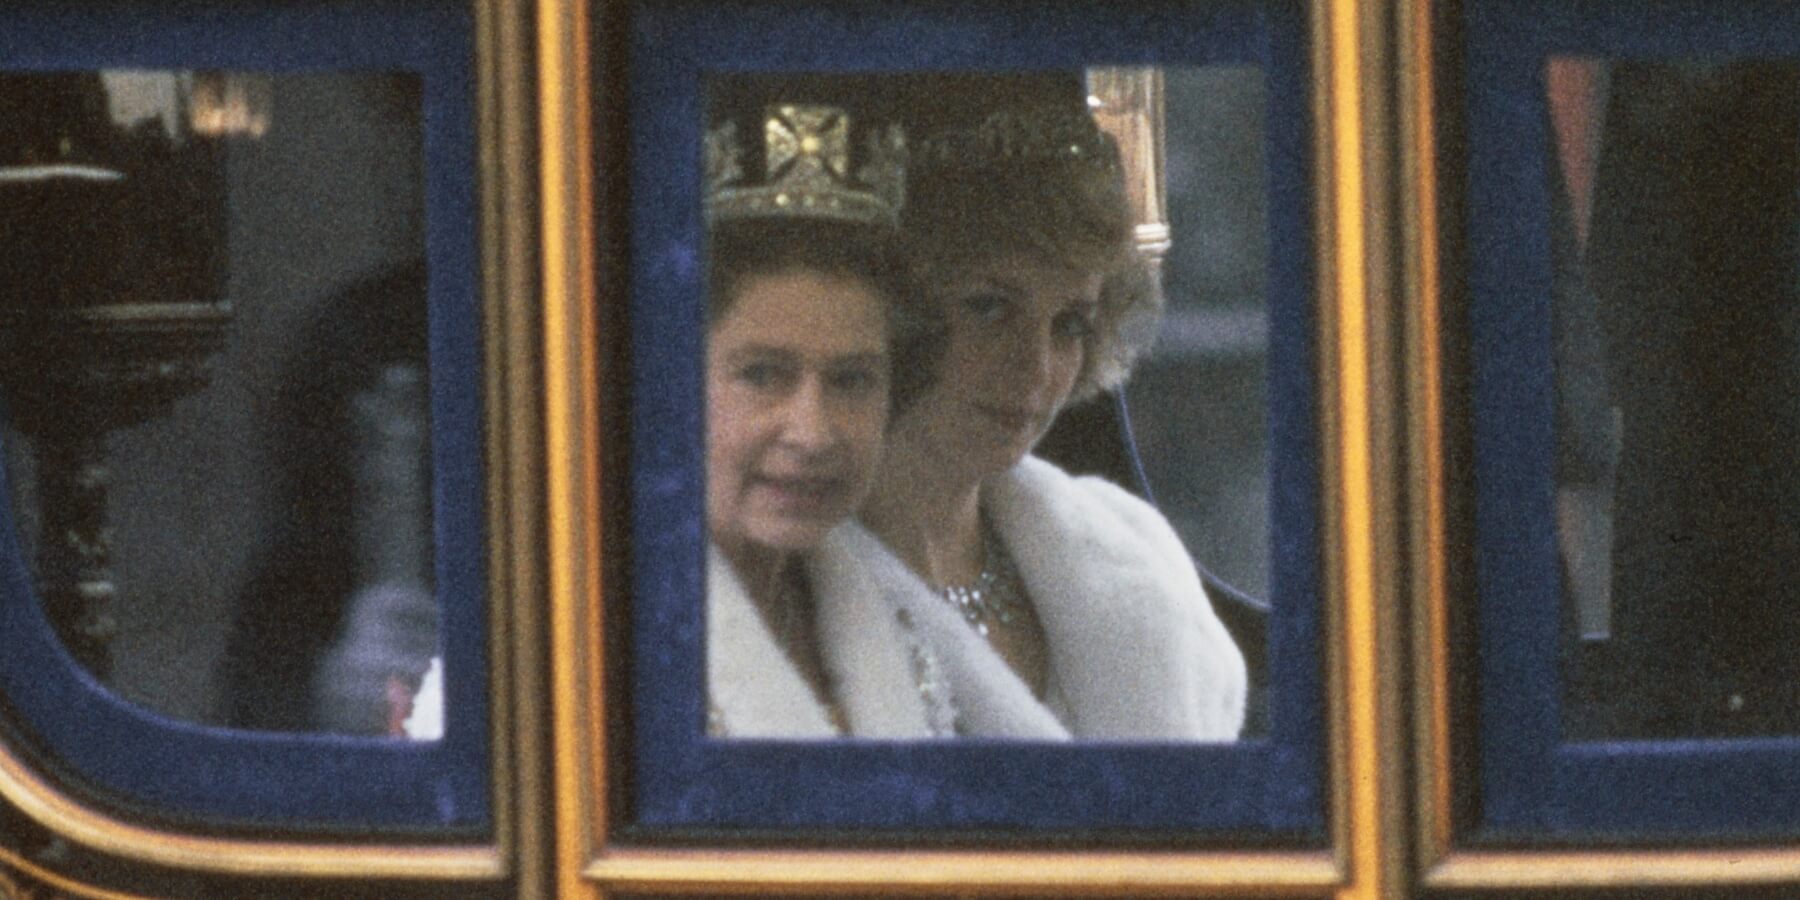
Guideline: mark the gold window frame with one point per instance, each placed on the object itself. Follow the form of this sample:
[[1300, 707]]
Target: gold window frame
[[583, 119]]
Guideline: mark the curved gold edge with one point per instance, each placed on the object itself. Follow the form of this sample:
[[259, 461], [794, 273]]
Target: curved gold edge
[[1074, 872], [1626, 869], [36, 798], [19, 864]]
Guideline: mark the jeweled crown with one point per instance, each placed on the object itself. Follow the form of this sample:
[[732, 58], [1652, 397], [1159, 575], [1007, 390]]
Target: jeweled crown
[[814, 163]]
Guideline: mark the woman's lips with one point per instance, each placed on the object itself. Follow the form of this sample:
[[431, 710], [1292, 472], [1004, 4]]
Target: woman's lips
[[803, 494]]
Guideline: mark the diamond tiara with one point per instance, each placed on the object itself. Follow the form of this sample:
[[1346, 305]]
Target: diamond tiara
[[1010, 137]]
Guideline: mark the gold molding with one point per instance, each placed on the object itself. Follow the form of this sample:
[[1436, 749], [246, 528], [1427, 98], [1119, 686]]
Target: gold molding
[[38, 799], [1520, 870], [574, 439], [507, 241], [17, 864], [1363, 488], [1426, 445], [512, 409], [1068, 873]]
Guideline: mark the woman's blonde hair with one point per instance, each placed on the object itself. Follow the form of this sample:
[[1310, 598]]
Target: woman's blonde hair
[[1065, 204]]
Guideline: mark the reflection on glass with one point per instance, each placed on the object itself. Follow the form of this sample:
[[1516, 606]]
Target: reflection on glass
[[980, 590], [1675, 191], [234, 483]]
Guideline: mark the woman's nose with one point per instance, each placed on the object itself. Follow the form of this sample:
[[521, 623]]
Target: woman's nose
[[1031, 356], [808, 423]]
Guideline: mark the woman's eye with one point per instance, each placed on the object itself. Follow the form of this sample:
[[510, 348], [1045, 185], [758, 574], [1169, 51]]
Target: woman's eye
[[1074, 325], [855, 381], [985, 306], [762, 375]]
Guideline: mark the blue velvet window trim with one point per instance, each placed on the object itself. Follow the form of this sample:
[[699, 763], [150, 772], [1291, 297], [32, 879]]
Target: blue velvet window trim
[[1534, 784], [224, 777], [1270, 789]]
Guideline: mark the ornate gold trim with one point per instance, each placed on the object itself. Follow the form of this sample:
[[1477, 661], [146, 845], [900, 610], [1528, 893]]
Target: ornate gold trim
[[508, 239]]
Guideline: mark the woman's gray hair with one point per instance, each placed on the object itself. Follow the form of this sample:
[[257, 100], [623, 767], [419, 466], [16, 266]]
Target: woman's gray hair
[[740, 250]]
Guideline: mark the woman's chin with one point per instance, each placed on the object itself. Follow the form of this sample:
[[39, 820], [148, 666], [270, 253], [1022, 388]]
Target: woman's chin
[[791, 535], [1000, 456]]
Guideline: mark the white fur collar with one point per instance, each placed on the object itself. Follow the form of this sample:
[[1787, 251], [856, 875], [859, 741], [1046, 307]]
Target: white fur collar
[[991, 701], [1136, 651], [885, 681], [1134, 642], [753, 690]]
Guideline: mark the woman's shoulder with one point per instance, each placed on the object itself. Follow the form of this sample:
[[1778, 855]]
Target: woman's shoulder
[[1039, 490], [1039, 476], [1112, 577]]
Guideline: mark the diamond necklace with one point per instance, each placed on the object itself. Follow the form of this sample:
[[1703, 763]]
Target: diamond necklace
[[994, 596]]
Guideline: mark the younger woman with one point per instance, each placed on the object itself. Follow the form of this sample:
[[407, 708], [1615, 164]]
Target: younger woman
[[1060, 606]]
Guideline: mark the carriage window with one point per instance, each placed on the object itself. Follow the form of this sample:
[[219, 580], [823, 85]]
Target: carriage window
[[1677, 311], [217, 431]]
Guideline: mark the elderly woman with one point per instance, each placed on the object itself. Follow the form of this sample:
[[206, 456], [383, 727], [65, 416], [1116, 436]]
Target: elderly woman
[[1061, 607], [807, 300]]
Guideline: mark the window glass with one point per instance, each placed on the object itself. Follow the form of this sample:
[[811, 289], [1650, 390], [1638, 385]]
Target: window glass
[[218, 433], [1676, 195], [913, 278]]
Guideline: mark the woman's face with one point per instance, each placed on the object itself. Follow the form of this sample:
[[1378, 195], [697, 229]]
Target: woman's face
[[1018, 329], [797, 400]]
